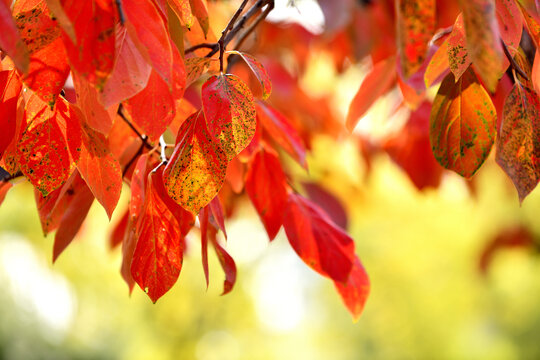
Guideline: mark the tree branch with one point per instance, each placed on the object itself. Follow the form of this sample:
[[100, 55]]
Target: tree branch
[[120, 11], [143, 137], [513, 62]]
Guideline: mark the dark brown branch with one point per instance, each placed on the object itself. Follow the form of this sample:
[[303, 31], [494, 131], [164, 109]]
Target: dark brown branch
[[120, 11], [249, 30], [211, 46], [143, 137], [14, 176], [513, 63]]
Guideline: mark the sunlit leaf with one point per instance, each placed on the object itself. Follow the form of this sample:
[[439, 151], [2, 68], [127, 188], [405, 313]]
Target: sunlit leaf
[[227, 264], [458, 56], [354, 292], [97, 117], [259, 72], [195, 67], [463, 121], [229, 110], [198, 9], [117, 235], [10, 39], [438, 66], [518, 143]]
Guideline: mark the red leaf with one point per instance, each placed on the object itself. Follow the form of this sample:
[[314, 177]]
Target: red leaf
[[282, 132], [100, 169], [415, 27], [379, 80], [158, 256], [259, 72], [228, 265], [463, 121], [145, 20], [153, 108], [266, 186], [355, 290], [321, 244], [328, 202], [73, 216], [203, 220], [48, 68], [513, 237], [518, 143], [92, 54], [50, 146], [130, 73], [216, 210], [65, 23], [510, 23], [10, 39], [10, 88], [119, 232], [230, 112], [458, 56], [197, 167]]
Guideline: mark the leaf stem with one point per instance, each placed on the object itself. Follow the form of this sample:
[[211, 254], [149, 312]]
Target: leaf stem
[[143, 137], [120, 11], [513, 63]]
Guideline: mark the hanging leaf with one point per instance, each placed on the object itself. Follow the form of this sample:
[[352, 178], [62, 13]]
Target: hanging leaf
[[10, 88], [92, 54], [183, 11], [97, 117], [48, 68], [229, 110], [10, 39], [376, 83], [55, 6], [130, 73], [258, 70], [438, 66], [415, 27], [354, 292], [197, 167], [531, 24], [50, 146], [518, 143], [158, 256], [195, 67], [458, 56], [483, 40], [321, 244], [227, 264], [266, 186], [119, 231], [100, 169], [463, 121], [510, 23], [198, 8]]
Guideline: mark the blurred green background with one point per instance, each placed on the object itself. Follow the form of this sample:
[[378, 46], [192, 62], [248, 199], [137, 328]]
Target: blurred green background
[[421, 250]]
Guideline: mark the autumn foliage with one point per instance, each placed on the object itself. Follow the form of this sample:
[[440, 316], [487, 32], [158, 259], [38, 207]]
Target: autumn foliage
[[101, 93]]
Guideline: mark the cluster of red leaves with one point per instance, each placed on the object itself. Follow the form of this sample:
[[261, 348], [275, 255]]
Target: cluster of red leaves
[[133, 87]]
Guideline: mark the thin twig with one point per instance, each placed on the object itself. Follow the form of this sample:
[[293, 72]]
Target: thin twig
[[120, 11], [249, 30], [211, 46], [14, 176], [513, 63], [143, 137]]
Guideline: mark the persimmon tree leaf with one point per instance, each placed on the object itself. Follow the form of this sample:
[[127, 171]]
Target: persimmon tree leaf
[[518, 143], [195, 67], [438, 66], [158, 256], [266, 186], [119, 231], [320, 243], [483, 40], [50, 145], [510, 23], [205, 228], [456, 44], [153, 108], [376, 83], [92, 54], [229, 110], [415, 27], [48, 69], [198, 9], [196, 170], [130, 73], [227, 264], [56, 8], [463, 121], [97, 117], [182, 9], [258, 70], [354, 292], [100, 169], [73, 216], [533, 28], [10, 88], [10, 39], [281, 131], [217, 217], [152, 33], [4, 188]]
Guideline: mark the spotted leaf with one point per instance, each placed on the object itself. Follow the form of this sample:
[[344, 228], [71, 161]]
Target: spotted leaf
[[258, 70], [456, 45]]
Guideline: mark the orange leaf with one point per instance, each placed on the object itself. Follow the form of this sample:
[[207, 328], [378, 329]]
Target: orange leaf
[[438, 66], [379, 80], [518, 143], [229, 110], [197, 167], [198, 8], [463, 121], [97, 117], [458, 56]]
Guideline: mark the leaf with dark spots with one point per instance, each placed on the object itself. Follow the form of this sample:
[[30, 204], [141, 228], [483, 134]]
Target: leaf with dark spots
[[456, 45], [462, 124], [50, 145], [144, 20], [518, 143], [320, 243], [158, 256], [10, 39], [196, 170], [483, 40], [195, 67], [48, 68], [355, 291], [282, 132], [73, 216], [377, 82], [153, 108], [229, 110], [130, 73], [415, 27], [10, 88], [92, 54], [55, 6], [266, 186], [100, 169], [258, 70]]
